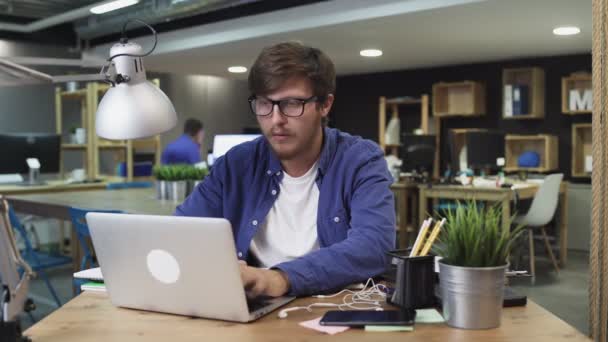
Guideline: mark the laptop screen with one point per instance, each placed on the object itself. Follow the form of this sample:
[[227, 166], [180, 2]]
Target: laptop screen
[[224, 142]]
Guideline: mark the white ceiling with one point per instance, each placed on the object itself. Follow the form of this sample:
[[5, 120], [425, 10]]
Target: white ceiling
[[412, 34]]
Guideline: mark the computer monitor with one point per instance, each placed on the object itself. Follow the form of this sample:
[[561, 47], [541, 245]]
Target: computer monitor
[[483, 148], [16, 148], [224, 142], [417, 153]]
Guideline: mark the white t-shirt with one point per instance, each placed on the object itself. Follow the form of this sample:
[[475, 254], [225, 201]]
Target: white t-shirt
[[290, 229]]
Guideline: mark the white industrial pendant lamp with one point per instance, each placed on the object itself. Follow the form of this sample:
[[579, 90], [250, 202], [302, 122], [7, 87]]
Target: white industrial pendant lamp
[[133, 107]]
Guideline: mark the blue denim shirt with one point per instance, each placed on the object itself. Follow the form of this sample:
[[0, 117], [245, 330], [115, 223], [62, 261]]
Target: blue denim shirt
[[355, 217], [182, 150]]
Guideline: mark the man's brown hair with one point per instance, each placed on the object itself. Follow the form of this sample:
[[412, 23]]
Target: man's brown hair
[[278, 63]]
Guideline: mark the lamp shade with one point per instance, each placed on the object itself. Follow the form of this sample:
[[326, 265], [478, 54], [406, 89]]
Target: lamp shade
[[134, 111], [135, 108]]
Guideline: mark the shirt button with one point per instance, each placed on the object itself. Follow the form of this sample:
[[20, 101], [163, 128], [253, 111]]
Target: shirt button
[[278, 173], [269, 172], [255, 222], [273, 192], [240, 255], [336, 219]]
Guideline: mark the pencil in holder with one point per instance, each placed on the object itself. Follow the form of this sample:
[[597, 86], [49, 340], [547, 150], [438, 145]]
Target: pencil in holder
[[415, 280]]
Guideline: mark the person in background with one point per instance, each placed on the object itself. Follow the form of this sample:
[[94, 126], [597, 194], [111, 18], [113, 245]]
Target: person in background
[[187, 148], [310, 206]]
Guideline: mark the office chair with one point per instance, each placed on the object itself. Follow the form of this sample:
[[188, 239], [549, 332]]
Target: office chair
[[81, 228], [541, 212], [39, 261], [128, 185]]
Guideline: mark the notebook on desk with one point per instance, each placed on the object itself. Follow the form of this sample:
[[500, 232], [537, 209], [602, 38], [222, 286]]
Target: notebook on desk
[[179, 265], [90, 274]]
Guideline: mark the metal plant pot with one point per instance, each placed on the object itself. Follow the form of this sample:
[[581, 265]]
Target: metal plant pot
[[177, 190], [472, 296], [162, 192]]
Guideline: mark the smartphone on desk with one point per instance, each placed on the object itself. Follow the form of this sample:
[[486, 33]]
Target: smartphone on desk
[[361, 318]]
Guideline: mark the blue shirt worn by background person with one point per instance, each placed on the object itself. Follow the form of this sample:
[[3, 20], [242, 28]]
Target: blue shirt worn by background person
[[182, 150], [356, 213]]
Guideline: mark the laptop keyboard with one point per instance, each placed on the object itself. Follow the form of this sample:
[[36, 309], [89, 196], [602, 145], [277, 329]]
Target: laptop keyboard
[[257, 303]]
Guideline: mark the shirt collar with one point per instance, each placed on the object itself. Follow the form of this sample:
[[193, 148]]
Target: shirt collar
[[187, 138], [328, 150]]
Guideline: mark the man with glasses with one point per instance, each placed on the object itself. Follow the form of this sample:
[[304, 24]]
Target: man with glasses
[[310, 206]]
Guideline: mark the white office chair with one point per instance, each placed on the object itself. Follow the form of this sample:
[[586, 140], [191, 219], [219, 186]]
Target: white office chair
[[540, 214]]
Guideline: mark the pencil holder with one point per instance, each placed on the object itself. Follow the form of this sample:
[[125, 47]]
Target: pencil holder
[[415, 280]]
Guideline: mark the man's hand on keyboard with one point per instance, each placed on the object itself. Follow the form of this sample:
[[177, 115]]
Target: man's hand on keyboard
[[263, 282]]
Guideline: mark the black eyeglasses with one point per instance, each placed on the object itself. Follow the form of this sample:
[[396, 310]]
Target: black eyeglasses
[[262, 106]]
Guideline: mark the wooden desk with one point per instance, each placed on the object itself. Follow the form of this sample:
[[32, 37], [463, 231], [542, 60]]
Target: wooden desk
[[406, 194], [502, 195], [90, 317], [55, 205], [51, 186]]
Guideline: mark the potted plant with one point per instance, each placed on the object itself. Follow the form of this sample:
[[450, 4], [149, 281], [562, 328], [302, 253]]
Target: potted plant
[[159, 172], [474, 250], [195, 175], [172, 182]]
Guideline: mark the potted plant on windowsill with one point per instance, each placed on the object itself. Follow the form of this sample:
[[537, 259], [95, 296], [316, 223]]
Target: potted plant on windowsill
[[474, 250]]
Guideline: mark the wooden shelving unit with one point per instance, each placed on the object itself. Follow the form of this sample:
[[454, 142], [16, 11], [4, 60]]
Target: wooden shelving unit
[[80, 96], [581, 149], [67, 146], [459, 99], [394, 104], [458, 137], [89, 99], [543, 144], [577, 81], [534, 79]]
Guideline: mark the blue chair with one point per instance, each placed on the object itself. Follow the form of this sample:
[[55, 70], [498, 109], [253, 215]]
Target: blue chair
[[79, 223], [128, 185], [39, 261]]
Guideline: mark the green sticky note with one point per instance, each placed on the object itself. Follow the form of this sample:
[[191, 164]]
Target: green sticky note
[[387, 328], [428, 316]]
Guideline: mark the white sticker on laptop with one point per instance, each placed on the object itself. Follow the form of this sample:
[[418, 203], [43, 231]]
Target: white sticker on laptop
[[163, 266]]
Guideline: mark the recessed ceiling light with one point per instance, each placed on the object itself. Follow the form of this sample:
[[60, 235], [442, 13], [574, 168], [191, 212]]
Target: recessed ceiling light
[[371, 53], [237, 69], [566, 30], [112, 6]]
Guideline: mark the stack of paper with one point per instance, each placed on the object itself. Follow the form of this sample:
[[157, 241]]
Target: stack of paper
[[94, 274]]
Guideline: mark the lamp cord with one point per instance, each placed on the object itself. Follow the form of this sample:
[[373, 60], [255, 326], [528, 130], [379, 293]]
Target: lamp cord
[[125, 39]]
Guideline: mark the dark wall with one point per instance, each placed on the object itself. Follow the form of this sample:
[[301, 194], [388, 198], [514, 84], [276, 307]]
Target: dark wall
[[356, 106]]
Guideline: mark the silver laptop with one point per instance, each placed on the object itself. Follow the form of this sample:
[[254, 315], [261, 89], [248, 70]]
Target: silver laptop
[[179, 265]]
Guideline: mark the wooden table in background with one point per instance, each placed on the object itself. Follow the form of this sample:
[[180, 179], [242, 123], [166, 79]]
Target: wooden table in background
[[406, 195], [90, 317], [502, 195], [50, 187], [56, 205]]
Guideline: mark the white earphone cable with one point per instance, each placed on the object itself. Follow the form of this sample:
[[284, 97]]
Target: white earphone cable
[[370, 297]]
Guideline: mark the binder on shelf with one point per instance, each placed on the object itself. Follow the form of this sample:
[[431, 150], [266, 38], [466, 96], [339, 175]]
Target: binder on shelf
[[520, 99], [508, 100]]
